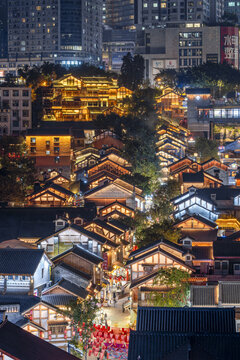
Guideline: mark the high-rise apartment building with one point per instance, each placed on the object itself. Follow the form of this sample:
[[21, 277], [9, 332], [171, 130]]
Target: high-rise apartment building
[[188, 45], [63, 31], [153, 13], [232, 7], [120, 14], [3, 28]]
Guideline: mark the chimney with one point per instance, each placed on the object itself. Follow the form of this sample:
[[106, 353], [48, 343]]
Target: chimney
[[59, 224]]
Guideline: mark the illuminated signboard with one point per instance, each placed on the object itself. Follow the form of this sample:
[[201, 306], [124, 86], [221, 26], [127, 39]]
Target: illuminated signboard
[[229, 45]]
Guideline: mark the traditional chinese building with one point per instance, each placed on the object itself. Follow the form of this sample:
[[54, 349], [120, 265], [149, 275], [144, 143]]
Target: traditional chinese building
[[51, 194], [117, 190], [172, 143], [86, 265], [26, 345], [170, 105], [211, 169], [116, 210], [145, 263], [39, 318], [82, 99], [50, 149], [184, 333], [23, 271]]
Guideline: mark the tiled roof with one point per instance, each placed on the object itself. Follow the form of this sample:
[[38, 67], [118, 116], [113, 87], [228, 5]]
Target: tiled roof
[[25, 301], [224, 248], [73, 288], [116, 203], [37, 222], [119, 224], [200, 235], [193, 177], [22, 345], [20, 261], [167, 346], [186, 320], [202, 252], [107, 226], [199, 218], [155, 244], [90, 234], [74, 271], [81, 230], [52, 185], [58, 299], [81, 252], [224, 192]]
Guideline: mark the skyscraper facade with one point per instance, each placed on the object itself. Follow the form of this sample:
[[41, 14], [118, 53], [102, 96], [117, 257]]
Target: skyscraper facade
[[120, 14], [232, 7], [62, 30], [153, 13], [3, 28]]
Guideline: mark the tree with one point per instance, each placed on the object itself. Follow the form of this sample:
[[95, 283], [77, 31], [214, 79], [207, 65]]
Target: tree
[[162, 207], [156, 232], [16, 170], [138, 68], [132, 71], [89, 70], [175, 285], [82, 315], [220, 78], [142, 105], [206, 149]]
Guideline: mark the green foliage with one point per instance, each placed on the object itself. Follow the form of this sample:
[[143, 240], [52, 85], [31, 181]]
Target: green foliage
[[206, 149], [48, 72], [168, 78], [141, 105], [132, 71], [16, 170], [139, 180], [156, 223], [162, 207], [89, 70], [156, 232], [139, 147], [220, 78], [82, 315], [175, 284]]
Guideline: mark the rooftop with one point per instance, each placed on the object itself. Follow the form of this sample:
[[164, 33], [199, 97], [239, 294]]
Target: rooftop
[[20, 261], [186, 320], [22, 345]]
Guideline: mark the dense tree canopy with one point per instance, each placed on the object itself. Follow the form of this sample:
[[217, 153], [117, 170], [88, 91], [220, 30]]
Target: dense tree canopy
[[37, 75], [206, 149], [175, 283], [132, 71], [16, 170], [220, 78], [82, 315]]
